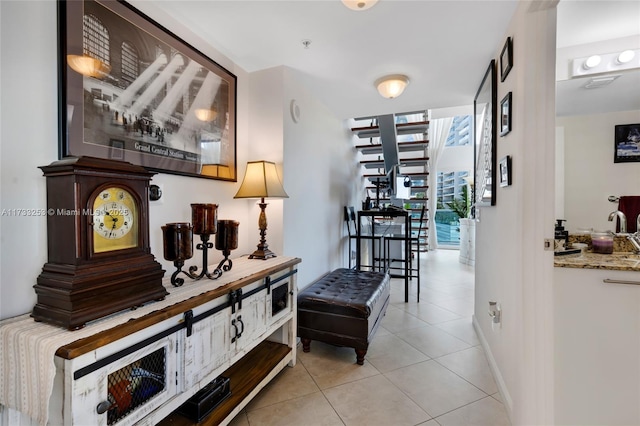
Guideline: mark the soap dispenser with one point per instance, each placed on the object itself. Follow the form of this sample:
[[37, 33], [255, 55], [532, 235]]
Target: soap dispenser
[[561, 235]]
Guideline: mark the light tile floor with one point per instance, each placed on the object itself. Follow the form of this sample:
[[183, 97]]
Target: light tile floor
[[425, 366]]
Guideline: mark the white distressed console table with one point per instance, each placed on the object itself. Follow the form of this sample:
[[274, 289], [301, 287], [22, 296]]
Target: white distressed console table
[[138, 366]]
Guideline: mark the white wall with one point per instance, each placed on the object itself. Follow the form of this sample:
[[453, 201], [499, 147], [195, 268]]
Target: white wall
[[28, 139], [311, 154], [321, 177], [511, 266], [588, 153]]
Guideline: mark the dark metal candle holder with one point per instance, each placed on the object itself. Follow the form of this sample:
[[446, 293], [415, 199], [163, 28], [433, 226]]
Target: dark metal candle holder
[[178, 247], [226, 240], [205, 245], [178, 243]]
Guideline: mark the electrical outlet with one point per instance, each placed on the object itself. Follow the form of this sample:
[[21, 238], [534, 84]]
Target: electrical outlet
[[495, 312], [549, 244]]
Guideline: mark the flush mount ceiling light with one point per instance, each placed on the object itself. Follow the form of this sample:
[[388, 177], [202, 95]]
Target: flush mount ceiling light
[[605, 63], [359, 4], [391, 86]]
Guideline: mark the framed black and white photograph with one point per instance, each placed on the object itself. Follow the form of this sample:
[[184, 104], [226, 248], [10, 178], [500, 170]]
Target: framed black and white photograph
[[627, 143], [131, 90], [484, 153], [505, 115], [505, 171], [506, 59]]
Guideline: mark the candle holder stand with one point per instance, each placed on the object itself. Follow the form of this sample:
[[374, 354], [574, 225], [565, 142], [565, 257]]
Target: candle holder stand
[[205, 245], [226, 240], [229, 263]]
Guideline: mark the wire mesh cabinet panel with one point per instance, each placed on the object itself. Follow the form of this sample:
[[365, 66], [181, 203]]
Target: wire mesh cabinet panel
[[125, 389]]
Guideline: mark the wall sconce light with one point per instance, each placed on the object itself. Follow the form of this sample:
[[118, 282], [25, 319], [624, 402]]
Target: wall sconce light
[[88, 66], [359, 4], [605, 63], [391, 86]]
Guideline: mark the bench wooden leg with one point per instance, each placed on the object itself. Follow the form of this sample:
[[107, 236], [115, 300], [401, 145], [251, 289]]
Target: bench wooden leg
[[360, 353], [306, 345]]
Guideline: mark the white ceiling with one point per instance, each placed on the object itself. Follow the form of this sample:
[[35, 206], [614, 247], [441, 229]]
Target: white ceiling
[[443, 46]]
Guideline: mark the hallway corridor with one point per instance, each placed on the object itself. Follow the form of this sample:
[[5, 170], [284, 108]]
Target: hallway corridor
[[425, 366]]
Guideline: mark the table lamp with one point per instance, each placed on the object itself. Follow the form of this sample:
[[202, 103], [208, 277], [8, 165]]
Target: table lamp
[[261, 181]]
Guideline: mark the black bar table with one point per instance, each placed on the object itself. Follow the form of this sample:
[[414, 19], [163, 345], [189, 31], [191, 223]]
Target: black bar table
[[386, 213]]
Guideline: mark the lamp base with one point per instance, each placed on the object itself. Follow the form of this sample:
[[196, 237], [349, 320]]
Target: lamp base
[[262, 254]]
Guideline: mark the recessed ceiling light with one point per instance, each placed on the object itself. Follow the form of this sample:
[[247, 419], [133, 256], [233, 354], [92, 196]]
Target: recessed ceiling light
[[359, 4]]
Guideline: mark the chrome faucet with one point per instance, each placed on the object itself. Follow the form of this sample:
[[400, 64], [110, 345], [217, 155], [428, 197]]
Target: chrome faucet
[[623, 220]]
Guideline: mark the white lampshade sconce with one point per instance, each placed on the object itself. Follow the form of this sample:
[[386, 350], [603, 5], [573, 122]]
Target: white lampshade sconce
[[604, 63], [391, 86]]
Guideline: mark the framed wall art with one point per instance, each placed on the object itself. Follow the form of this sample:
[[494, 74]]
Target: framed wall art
[[131, 90], [505, 171], [506, 59], [626, 143], [484, 106], [505, 115]]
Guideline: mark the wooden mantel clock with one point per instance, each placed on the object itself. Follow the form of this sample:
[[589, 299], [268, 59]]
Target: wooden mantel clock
[[99, 259]]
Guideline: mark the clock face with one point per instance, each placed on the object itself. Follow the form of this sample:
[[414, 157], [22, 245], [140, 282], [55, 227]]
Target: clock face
[[115, 220]]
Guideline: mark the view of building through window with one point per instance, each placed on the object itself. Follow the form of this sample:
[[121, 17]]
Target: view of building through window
[[453, 191]]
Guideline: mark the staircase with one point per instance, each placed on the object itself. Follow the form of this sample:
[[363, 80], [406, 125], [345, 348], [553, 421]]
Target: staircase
[[396, 145]]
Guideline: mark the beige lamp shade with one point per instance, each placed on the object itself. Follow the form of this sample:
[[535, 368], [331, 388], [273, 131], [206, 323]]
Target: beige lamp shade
[[261, 181], [88, 66], [392, 86]]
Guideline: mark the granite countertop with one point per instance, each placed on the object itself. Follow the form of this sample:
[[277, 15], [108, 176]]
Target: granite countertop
[[619, 261]]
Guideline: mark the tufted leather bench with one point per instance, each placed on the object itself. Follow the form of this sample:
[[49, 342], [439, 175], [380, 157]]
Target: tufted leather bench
[[343, 308]]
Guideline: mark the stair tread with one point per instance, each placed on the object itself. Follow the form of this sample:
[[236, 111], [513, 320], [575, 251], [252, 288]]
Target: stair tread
[[398, 125]]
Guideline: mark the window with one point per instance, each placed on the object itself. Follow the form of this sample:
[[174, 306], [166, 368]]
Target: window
[[95, 41], [452, 190], [130, 68]]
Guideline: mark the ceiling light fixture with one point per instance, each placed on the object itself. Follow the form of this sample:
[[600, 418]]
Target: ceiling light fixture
[[359, 4], [391, 86], [605, 63]]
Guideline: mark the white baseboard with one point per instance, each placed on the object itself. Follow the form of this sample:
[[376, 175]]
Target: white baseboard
[[502, 386]]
